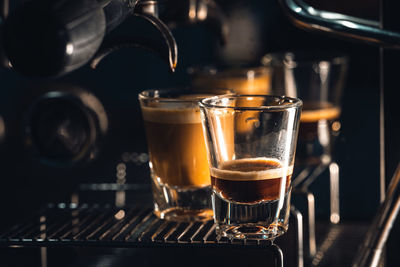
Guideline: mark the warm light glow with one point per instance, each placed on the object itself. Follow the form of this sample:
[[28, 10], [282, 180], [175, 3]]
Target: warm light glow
[[202, 12], [69, 49], [121, 171], [192, 10], [120, 215], [336, 126]]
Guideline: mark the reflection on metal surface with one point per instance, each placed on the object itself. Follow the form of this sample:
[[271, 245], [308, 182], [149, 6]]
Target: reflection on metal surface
[[336, 126], [120, 215], [120, 195], [305, 16], [327, 243], [308, 218], [43, 256], [4, 8], [371, 250], [334, 191], [311, 225], [136, 158], [169, 54], [300, 236]]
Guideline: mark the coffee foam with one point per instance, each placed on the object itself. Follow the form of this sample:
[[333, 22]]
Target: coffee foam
[[251, 175], [171, 115], [320, 114]]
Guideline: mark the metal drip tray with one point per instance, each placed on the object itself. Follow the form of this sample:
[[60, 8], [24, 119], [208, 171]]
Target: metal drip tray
[[95, 225]]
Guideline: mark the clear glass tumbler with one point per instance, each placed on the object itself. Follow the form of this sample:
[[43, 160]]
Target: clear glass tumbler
[[178, 160], [318, 80], [251, 171]]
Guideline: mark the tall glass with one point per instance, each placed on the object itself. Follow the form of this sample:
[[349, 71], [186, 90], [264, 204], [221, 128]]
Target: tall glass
[[251, 172], [318, 80], [178, 161]]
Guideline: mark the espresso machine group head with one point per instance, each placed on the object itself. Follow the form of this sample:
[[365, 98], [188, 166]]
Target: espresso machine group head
[[43, 38], [47, 38]]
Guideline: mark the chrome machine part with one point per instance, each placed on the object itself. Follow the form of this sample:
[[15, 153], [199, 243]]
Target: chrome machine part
[[372, 248], [307, 17]]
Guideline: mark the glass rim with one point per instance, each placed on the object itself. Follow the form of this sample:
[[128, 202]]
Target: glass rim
[[185, 91], [292, 59], [294, 102]]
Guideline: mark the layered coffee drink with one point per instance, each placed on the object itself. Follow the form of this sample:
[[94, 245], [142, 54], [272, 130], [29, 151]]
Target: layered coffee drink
[[179, 167], [176, 146], [318, 126], [251, 181], [251, 198], [251, 189]]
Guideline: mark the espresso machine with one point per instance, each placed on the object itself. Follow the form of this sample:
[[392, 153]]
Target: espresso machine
[[71, 130]]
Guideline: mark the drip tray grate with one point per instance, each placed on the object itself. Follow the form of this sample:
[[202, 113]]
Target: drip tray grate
[[96, 225]]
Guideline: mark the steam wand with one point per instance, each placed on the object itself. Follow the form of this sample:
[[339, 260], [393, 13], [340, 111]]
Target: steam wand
[[370, 251]]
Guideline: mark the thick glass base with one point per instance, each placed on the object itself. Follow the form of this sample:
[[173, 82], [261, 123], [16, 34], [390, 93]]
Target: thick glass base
[[251, 231], [182, 204], [263, 220]]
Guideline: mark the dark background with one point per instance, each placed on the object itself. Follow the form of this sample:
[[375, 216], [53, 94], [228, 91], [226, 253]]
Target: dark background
[[257, 27]]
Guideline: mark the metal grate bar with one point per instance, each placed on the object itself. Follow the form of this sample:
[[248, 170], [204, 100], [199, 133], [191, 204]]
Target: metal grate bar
[[180, 229], [128, 227], [20, 231], [111, 226], [148, 231], [120, 220], [201, 231], [210, 234], [136, 232], [55, 228], [170, 236], [97, 219], [188, 234], [159, 234], [77, 223], [94, 234]]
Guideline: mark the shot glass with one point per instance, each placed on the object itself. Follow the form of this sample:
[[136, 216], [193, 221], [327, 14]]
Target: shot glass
[[179, 169], [251, 172], [318, 80]]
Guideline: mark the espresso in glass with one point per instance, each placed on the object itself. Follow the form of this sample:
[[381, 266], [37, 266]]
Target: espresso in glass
[[319, 125], [250, 180], [251, 183], [176, 146]]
